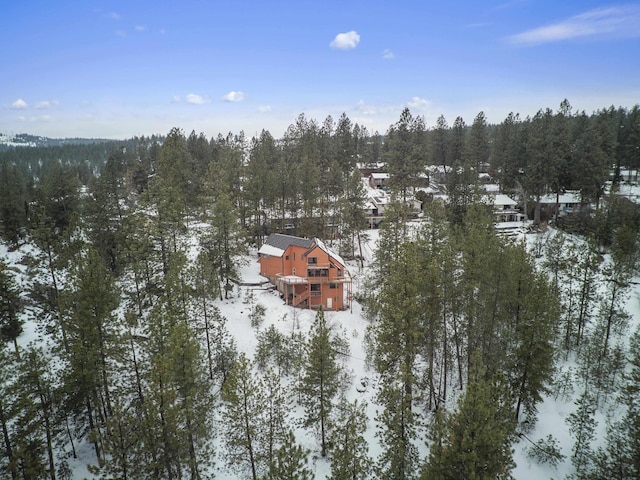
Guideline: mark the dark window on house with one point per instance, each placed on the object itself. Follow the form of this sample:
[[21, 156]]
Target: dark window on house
[[315, 287], [312, 260], [333, 285], [324, 272], [287, 257]]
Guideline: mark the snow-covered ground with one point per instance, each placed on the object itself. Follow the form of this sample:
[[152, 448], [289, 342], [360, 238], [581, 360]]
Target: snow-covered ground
[[552, 413]]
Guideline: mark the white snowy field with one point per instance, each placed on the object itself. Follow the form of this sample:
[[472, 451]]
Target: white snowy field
[[551, 417]]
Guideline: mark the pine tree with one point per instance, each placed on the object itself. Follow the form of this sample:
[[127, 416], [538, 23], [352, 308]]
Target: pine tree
[[277, 408], [435, 467], [619, 459], [243, 408], [582, 427], [290, 462], [177, 408], [397, 340], [405, 153], [122, 440], [478, 143], [440, 144], [352, 215], [13, 201], [631, 399], [260, 189], [322, 380], [8, 460], [186, 372], [476, 442], [225, 243], [350, 456], [92, 337], [397, 431], [37, 429], [11, 306]]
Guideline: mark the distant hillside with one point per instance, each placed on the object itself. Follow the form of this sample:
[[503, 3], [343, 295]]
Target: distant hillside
[[28, 140], [32, 154]]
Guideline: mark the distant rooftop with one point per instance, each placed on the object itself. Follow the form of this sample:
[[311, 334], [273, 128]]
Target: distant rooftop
[[281, 241]]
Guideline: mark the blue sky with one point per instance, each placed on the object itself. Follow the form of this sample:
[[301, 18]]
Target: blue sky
[[122, 68]]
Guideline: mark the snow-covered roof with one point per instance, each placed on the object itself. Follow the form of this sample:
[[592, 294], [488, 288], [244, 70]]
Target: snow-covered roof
[[267, 249], [435, 168], [568, 197], [379, 176], [362, 165], [333, 255], [491, 188], [501, 199]]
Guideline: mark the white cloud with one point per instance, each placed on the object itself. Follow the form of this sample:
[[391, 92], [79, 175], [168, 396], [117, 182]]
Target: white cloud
[[264, 108], [121, 33], [613, 22], [19, 104], [234, 96], [196, 99], [346, 41], [365, 109], [388, 54], [417, 102], [176, 99], [46, 104], [140, 28], [104, 14]]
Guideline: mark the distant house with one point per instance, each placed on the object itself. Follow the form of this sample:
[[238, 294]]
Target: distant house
[[378, 201], [366, 169], [379, 179], [565, 203], [305, 272], [504, 209]]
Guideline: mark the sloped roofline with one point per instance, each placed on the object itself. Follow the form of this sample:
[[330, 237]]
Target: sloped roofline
[[277, 243], [282, 241]]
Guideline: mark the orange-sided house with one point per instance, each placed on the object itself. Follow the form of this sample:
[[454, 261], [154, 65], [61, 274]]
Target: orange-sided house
[[305, 272]]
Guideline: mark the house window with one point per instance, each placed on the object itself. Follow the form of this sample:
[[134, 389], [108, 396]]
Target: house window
[[293, 271], [339, 272], [315, 287], [324, 272], [333, 285], [287, 257], [312, 260]]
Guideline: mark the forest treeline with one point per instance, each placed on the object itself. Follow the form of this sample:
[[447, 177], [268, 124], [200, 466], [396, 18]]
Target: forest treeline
[[467, 331]]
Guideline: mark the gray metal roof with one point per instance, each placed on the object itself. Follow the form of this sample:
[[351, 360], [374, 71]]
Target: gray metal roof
[[281, 241]]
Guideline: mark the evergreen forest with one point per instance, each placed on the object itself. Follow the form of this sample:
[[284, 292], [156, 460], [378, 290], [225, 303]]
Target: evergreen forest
[[120, 260]]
